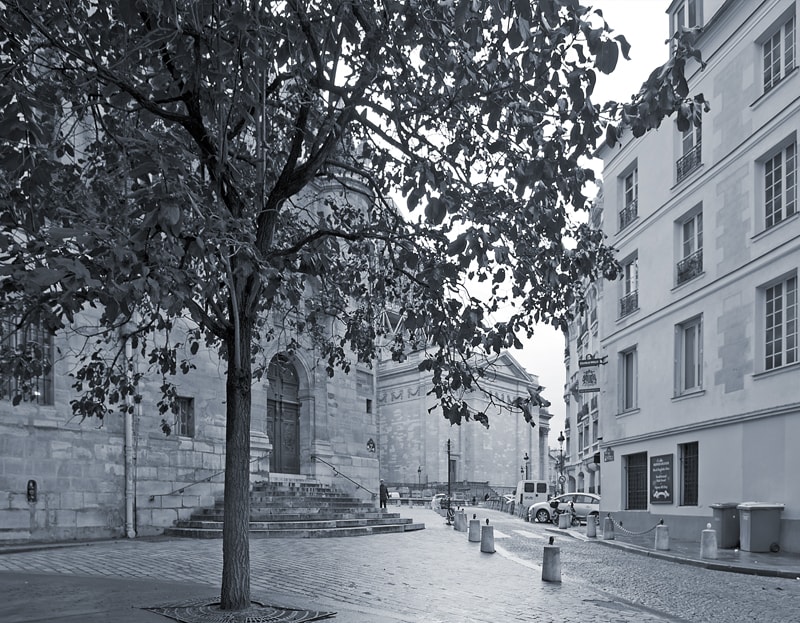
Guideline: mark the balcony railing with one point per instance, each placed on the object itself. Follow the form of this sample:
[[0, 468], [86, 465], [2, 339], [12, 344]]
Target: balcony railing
[[690, 266], [628, 214], [629, 303], [688, 162]]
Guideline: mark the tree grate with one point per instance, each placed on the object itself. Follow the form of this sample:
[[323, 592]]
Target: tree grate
[[208, 611]]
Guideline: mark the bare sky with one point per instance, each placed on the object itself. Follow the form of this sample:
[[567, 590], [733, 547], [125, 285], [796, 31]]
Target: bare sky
[[646, 27]]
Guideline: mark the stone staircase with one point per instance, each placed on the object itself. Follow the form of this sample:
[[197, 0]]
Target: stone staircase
[[298, 508]]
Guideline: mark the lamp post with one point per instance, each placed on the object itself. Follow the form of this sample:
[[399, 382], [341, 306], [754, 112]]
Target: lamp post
[[561, 461], [527, 459], [419, 476], [449, 472]]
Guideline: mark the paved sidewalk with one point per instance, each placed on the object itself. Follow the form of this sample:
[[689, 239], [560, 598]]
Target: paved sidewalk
[[433, 576], [780, 564]]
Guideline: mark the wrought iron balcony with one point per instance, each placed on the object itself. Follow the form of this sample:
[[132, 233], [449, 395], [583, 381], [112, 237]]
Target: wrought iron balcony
[[688, 162], [629, 303], [628, 214], [690, 266]]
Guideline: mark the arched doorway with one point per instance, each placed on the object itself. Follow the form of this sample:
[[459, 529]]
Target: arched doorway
[[283, 416]]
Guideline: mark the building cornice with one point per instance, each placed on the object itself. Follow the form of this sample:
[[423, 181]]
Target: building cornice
[[787, 409]]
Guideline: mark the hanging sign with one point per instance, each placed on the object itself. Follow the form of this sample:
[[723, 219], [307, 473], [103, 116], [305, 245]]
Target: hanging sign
[[588, 377]]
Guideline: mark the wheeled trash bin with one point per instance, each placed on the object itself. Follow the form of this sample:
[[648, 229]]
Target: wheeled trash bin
[[726, 523], [760, 526]]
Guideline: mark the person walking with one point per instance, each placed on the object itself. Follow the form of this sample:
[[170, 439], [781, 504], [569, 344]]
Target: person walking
[[384, 494]]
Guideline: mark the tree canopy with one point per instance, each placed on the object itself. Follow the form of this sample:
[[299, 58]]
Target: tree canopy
[[166, 159]]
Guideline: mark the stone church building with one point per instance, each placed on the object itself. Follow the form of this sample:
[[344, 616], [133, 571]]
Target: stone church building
[[61, 478]]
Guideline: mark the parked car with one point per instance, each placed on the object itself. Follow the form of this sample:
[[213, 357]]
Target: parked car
[[585, 504]]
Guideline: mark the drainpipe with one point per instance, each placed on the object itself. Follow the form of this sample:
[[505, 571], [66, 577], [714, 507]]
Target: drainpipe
[[130, 462]]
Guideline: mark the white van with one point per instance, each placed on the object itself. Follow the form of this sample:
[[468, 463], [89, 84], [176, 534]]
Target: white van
[[530, 492]]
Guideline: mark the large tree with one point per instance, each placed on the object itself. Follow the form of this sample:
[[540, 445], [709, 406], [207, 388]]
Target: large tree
[[160, 161]]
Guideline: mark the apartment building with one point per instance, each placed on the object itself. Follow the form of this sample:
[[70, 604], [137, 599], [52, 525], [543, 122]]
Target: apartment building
[[700, 399]]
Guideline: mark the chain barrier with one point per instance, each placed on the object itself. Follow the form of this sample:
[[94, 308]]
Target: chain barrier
[[618, 524]]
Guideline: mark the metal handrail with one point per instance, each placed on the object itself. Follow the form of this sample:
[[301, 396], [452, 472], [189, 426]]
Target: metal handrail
[[337, 472], [197, 482]]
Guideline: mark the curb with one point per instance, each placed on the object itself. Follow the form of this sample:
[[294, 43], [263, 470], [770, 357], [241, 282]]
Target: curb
[[705, 564]]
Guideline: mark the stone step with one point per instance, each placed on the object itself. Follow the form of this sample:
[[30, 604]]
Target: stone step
[[282, 515], [304, 525], [296, 506], [199, 533], [257, 500]]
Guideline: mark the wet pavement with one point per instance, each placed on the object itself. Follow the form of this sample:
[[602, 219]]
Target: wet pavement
[[434, 576]]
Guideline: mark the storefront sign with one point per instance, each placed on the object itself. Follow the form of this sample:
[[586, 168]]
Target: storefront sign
[[661, 479]]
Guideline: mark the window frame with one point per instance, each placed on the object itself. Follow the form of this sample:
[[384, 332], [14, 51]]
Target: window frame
[[689, 250], [636, 474], [42, 386], [629, 191], [689, 473], [780, 187], [681, 331], [787, 323], [691, 152], [629, 300], [628, 380], [778, 53], [185, 423]]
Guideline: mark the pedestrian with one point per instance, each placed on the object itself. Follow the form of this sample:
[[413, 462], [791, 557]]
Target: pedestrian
[[384, 494]]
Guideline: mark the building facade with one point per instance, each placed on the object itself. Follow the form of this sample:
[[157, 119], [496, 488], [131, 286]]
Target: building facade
[[414, 440], [700, 401]]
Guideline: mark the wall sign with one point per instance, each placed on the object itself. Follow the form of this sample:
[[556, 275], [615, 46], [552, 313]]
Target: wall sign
[[608, 456], [661, 479]]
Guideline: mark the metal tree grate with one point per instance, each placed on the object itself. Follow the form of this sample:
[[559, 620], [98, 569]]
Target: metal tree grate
[[208, 611]]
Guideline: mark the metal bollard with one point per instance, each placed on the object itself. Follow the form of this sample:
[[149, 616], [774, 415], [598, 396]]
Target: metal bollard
[[608, 529], [662, 538], [487, 538], [474, 534], [551, 564], [591, 526], [708, 543]]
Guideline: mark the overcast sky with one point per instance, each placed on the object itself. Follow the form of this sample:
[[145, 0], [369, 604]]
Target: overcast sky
[[646, 27]]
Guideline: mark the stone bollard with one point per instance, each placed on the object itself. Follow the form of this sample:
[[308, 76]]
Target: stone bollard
[[563, 521], [662, 538], [551, 564], [608, 529], [487, 538], [461, 521], [591, 526], [708, 543], [474, 534]]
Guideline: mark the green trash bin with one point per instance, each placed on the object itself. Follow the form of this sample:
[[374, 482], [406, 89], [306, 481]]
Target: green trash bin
[[726, 523], [760, 526]]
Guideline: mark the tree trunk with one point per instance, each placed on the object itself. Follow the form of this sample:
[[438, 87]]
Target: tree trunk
[[235, 531]]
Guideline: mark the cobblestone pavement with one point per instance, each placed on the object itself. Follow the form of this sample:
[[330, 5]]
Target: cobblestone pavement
[[433, 576]]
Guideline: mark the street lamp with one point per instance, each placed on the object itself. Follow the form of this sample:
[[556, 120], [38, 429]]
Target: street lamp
[[561, 462], [449, 474], [419, 476], [526, 458]]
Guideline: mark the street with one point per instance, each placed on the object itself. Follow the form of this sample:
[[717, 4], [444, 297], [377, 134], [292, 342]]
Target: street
[[433, 575]]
